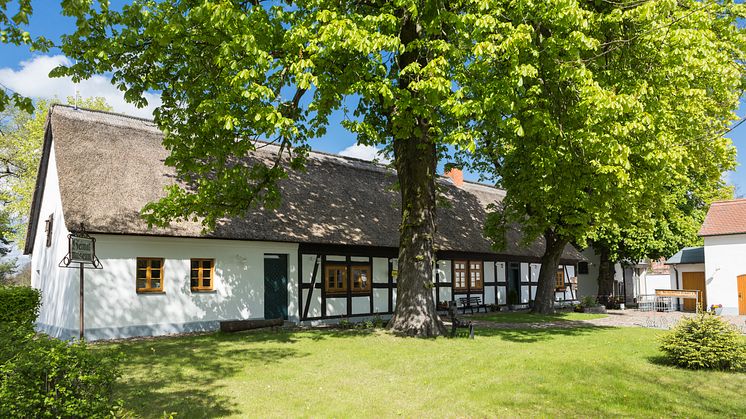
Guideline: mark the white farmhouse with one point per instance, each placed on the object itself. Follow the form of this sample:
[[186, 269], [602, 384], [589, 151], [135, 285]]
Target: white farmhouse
[[328, 252]]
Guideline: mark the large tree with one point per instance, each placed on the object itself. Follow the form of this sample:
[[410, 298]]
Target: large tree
[[576, 108], [600, 112]]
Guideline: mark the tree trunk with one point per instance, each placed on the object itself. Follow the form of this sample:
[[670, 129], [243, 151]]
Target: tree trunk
[[605, 274], [416, 158], [544, 302]]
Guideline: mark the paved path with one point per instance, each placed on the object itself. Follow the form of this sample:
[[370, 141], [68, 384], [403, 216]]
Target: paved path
[[616, 318]]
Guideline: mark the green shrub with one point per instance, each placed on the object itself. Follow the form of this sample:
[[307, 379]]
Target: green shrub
[[52, 378], [705, 341], [588, 301], [20, 306]]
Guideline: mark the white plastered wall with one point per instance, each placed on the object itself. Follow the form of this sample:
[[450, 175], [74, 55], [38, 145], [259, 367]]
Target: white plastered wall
[[724, 262], [115, 309], [59, 286]]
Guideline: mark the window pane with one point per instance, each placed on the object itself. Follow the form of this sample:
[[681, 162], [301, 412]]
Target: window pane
[[140, 283], [155, 283], [206, 264], [141, 263], [155, 273], [206, 273], [142, 273], [340, 279], [195, 264], [206, 283], [155, 263], [331, 279], [194, 282]]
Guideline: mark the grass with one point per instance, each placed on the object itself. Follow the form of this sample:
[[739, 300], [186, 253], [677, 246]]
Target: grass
[[585, 371], [513, 317]]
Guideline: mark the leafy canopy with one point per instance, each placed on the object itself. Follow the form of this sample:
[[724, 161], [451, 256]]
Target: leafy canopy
[[599, 117], [594, 115], [232, 72], [12, 22]]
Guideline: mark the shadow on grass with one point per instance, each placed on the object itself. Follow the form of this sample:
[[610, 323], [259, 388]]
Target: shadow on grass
[[540, 334], [183, 374]]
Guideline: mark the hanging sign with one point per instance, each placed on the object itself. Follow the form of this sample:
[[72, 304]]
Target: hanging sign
[[82, 249]]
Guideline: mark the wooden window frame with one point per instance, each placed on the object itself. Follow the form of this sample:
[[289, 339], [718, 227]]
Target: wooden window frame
[[49, 228], [465, 271], [467, 278], [200, 273], [148, 275], [560, 274], [362, 290], [479, 285], [335, 290]]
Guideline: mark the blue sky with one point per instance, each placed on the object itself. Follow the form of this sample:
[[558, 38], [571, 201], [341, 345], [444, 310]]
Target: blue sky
[[26, 72]]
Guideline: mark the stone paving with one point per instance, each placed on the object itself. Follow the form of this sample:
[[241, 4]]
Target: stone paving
[[615, 318]]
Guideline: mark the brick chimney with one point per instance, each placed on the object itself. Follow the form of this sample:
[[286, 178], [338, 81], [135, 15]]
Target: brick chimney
[[456, 176]]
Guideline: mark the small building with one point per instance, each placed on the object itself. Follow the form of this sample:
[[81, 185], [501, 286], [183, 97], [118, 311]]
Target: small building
[[328, 252], [717, 269]]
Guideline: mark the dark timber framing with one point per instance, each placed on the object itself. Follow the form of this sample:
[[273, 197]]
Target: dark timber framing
[[346, 255]]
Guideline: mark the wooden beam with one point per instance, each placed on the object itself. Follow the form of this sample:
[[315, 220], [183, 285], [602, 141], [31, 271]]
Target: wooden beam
[[313, 286]]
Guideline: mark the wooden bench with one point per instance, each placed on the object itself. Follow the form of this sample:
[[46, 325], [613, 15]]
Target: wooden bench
[[471, 303]]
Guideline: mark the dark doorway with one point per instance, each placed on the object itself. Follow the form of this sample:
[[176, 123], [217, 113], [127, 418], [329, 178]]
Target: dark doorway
[[275, 286], [514, 282]]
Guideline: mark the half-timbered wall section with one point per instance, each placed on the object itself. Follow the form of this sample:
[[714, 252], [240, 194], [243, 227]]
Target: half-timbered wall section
[[328, 287]]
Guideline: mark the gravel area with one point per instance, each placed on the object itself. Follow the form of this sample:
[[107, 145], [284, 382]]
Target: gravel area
[[615, 318]]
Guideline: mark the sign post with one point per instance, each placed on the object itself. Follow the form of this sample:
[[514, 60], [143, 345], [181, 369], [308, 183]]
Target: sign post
[[81, 250]]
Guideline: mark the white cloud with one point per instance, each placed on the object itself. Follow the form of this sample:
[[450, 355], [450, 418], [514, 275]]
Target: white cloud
[[32, 80], [364, 152]]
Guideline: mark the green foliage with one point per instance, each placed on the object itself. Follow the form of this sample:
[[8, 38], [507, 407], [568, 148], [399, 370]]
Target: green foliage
[[52, 378], [21, 139], [20, 306], [12, 32], [609, 118], [588, 301], [705, 341]]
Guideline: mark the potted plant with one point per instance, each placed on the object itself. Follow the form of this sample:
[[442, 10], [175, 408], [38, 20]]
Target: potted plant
[[717, 309], [513, 299], [590, 305]]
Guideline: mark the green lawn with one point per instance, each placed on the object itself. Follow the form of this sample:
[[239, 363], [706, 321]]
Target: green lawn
[[512, 317], [588, 371]]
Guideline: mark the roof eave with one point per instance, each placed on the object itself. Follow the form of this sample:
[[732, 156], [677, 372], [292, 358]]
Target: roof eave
[[41, 178]]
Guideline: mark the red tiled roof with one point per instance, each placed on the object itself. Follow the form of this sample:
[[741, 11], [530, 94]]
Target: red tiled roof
[[725, 217]]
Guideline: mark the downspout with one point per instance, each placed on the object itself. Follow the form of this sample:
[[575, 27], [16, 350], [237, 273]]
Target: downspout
[[624, 283], [676, 272]]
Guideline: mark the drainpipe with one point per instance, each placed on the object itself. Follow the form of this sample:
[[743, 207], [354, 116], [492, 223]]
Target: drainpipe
[[624, 283], [676, 272]]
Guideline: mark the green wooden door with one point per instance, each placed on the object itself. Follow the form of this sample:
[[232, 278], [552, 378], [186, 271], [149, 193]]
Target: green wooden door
[[275, 286]]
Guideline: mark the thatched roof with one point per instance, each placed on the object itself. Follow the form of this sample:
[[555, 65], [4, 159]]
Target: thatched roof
[[111, 165]]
